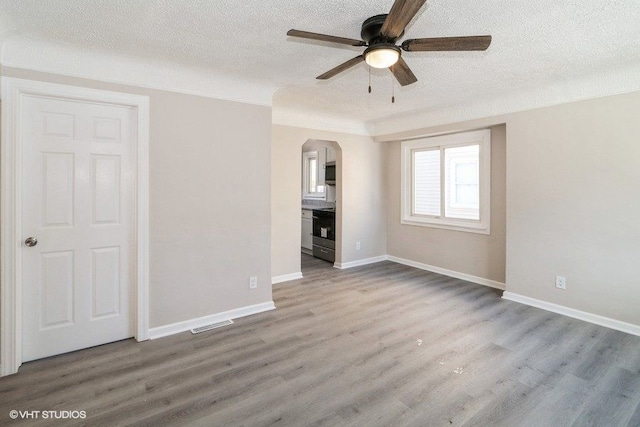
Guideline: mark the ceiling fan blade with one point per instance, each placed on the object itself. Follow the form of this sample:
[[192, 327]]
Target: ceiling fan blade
[[447, 44], [401, 13], [403, 73], [325, 38], [340, 68]]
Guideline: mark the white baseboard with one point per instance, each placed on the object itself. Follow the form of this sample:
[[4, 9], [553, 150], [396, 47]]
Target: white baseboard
[[286, 277], [450, 273], [176, 328], [607, 322], [359, 262]]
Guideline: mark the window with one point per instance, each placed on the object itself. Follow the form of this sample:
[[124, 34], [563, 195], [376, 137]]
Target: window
[[311, 176], [446, 181]]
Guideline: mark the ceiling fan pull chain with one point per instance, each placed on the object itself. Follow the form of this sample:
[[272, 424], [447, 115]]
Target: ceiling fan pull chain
[[393, 92], [369, 78]]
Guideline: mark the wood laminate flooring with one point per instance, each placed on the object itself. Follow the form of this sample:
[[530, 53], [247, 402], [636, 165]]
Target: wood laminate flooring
[[378, 345]]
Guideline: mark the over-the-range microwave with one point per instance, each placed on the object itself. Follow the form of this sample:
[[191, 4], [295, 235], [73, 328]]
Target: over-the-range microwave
[[330, 173]]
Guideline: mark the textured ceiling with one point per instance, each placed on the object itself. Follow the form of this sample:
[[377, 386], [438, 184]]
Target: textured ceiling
[[535, 45]]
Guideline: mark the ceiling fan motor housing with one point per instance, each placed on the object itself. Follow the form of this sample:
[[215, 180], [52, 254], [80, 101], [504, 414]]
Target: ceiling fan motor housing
[[371, 31]]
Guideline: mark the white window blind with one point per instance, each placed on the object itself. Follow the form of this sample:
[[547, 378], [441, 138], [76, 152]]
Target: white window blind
[[426, 182], [313, 175]]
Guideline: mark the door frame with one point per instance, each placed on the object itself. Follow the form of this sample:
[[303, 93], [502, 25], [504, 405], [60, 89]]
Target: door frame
[[13, 92]]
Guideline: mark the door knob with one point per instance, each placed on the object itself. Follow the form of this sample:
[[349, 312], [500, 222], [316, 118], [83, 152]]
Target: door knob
[[31, 241]]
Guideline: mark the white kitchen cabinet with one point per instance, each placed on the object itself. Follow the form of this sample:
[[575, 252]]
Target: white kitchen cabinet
[[331, 154], [307, 229]]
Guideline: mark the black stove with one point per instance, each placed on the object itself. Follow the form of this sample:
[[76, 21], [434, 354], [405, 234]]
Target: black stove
[[324, 225]]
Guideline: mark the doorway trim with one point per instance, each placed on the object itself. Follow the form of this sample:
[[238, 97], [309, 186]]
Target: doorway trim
[[13, 92]]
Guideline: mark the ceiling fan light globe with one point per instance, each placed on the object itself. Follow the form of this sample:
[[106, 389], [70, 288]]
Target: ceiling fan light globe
[[382, 56]]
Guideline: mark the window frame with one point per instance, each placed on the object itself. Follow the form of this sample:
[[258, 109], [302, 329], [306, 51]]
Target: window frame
[[441, 142], [307, 156]]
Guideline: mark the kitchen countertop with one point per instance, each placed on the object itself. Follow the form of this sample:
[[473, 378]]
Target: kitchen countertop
[[322, 205]]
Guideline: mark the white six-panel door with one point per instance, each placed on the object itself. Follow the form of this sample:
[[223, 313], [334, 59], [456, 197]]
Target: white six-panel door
[[78, 194]]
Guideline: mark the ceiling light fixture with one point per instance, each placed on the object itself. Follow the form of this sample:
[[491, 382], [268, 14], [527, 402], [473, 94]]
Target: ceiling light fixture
[[382, 55]]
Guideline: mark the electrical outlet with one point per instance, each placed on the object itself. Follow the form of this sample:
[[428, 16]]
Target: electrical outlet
[[253, 282], [357, 246], [561, 282]]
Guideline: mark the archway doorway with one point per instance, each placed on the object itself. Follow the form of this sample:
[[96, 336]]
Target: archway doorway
[[321, 207]]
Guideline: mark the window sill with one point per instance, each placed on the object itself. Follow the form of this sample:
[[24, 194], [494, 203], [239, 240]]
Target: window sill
[[448, 225]]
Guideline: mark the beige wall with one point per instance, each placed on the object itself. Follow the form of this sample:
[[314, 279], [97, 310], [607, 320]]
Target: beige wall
[[476, 254], [209, 201], [360, 201], [572, 205]]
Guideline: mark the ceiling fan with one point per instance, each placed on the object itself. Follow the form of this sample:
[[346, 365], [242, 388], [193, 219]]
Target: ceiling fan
[[379, 34]]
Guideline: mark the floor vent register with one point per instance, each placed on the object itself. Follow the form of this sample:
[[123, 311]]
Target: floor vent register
[[211, 326]]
